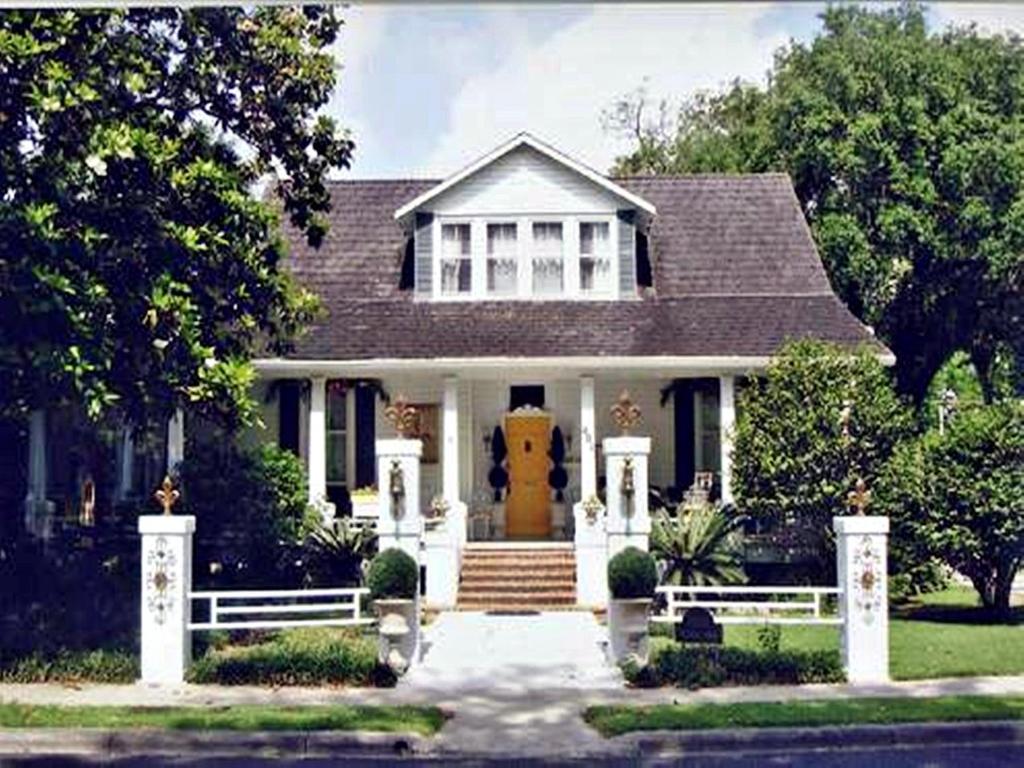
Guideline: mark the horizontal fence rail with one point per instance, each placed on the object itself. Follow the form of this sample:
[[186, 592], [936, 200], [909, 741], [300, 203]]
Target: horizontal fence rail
[[750, 605], [278, 608]]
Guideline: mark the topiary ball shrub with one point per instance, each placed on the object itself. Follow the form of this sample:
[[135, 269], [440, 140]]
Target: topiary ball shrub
[[632, 574], [393, 575]]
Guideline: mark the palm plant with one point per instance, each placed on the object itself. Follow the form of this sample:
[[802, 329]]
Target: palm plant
[[337, 554], [699, 547]]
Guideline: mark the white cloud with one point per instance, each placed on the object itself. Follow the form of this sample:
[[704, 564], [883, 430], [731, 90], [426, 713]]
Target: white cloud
[[990, 18], [558, 88]]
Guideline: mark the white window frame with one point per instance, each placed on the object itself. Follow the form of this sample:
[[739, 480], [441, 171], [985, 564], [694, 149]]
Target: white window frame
[[534, 255], [613, 257], [441, 258], [490, 221]]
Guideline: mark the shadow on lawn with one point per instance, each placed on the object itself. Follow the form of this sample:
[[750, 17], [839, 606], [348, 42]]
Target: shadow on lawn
[[956, 614]]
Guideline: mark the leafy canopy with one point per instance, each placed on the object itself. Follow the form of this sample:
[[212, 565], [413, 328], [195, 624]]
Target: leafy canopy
[[137, 271], [906, 150]]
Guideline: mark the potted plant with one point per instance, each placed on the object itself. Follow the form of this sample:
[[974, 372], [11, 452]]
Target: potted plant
[[393, 580], [558, 479], [364, 503], [632, 579], [437, 512], [498, 476]]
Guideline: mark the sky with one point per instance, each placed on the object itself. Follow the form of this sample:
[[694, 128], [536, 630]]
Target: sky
[[427, 89]]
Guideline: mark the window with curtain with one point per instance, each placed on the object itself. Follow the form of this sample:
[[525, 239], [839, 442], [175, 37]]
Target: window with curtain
[[501, 259], [456, 259], [595, 257], [337, 435], [547, 258]]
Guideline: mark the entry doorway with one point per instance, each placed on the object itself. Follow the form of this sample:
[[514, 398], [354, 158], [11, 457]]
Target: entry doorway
[[528, 504]]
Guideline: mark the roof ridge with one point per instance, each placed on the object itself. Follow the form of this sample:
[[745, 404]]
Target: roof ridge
[[689, 176]]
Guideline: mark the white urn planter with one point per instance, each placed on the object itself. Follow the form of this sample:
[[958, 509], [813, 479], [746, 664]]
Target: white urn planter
[[628, 628], [397, 632]]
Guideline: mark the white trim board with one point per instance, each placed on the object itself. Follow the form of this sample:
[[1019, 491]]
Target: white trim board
[[520, 140]]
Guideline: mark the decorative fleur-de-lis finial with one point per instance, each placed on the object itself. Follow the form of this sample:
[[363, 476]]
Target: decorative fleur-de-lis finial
[[859, 497], [625, 413], [167, 495], [403, 417]]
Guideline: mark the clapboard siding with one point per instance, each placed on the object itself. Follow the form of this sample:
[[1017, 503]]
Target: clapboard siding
[[627, 253], [423, 249], [524, 182]]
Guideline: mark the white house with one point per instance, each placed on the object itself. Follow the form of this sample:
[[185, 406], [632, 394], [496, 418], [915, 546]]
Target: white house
[[525, 292]]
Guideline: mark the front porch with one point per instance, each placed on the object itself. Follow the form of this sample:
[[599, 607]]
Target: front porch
[[517, 446]]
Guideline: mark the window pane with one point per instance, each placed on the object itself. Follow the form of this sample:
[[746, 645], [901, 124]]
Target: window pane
[[501, 258], [336, 411], [336, 457], [586, 274], [465, 281], [501, 276], [547, 258], [595, 257], [454, 240]]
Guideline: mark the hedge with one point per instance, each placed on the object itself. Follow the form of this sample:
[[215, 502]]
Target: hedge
[[65, 666]]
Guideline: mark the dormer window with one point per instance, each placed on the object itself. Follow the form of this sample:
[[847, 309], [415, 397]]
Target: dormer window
[[456, 259], [548, 261], [595, 257], [502, 251]]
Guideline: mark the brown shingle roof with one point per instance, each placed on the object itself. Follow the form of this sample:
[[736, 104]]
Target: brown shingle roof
[[735, 273]]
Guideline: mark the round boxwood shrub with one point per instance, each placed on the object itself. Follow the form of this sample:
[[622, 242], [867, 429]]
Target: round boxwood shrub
[[632, 574], [393, 575]]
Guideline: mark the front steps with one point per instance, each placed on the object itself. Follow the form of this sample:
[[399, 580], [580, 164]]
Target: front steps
[[517, 577]]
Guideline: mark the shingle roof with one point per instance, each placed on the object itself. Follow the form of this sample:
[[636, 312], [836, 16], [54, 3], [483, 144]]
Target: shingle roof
[[735, 273]]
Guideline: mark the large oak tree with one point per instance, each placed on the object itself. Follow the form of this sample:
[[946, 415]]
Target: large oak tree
[[906, 149], [138, 271]]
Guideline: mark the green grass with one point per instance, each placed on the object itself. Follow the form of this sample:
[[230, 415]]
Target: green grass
[[943, 634], [614, 721], [421, 720]]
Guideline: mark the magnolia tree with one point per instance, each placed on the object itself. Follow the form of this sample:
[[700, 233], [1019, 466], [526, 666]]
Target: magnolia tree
[[138, 271], [960, 496], [820, 418]]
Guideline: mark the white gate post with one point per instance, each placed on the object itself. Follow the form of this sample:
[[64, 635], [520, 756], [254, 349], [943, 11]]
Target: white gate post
[[400, 516], [166, 609], [591, 542], [861, 544], [629, 519]]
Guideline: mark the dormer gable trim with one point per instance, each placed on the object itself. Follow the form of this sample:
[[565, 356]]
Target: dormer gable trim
[[521, 140]]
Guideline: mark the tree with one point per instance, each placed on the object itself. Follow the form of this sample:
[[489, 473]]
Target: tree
[[138, 271], [906, 150], [959, 497], [792, 462]]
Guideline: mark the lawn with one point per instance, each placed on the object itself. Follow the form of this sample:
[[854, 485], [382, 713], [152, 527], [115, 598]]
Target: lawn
[[422, 720], [939, 635], [614, 721]]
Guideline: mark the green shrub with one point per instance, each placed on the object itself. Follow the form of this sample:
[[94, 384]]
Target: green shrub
[[294, 657], [699, 546], [393, 575], [708, 666], [335, 556], [65, 666], [632, 574]]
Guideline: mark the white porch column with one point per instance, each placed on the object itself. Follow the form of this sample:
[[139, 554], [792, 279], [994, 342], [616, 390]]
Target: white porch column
[[36, 511], [166, 648], [726, 426], [588, 440], [629, 519], [317, 445], [175, 441], [861, 544], [450, 432]]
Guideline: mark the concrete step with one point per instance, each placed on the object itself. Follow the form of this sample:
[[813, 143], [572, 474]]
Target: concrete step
[[504, 585]]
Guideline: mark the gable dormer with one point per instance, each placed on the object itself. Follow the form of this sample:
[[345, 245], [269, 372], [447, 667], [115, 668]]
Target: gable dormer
[[525, 222]]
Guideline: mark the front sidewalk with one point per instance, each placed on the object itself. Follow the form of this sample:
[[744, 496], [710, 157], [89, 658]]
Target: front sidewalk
[[528, 722]]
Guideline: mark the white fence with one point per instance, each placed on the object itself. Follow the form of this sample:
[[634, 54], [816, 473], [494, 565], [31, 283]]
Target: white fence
[[750, 605], [252, 609]]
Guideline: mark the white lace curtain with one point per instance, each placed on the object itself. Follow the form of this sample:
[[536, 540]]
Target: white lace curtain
[[501, 258], [547, 258]]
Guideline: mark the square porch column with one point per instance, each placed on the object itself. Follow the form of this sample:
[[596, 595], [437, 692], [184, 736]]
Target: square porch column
[[726, 425], [588, 440], [450, 433], [317, 435]]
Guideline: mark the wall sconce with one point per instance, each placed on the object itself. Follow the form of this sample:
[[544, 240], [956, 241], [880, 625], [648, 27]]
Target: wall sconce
[[627, 485], [396, 487]]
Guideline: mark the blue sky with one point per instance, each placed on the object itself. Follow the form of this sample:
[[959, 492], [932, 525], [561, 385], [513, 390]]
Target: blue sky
[[427, 89]]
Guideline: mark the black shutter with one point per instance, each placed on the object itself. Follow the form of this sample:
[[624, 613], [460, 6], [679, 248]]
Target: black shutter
[[424, 253], [288, 415], [627, 253], [685, 422], [366, 458]]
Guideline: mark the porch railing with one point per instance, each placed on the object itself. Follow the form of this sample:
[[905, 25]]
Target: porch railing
[[278, 608], [750, 605]]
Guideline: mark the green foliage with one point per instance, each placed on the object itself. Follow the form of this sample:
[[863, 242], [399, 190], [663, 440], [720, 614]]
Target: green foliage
[[632, 573], [698, 546], [251, 510], [960, 497], [769, 637], [709, 666], [393, 574], [139, 272], [791, 463], [294, 657], [65, 666], [906, 150], [336, 555]]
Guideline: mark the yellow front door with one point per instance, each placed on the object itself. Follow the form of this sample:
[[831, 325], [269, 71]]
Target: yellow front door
[[527, 508]]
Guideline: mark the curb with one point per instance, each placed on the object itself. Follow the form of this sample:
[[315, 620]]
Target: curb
[[825, 737], [109, 743]]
